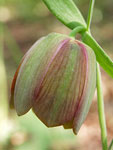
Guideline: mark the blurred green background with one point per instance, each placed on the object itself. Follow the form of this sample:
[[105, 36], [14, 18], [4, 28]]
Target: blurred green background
[[24, 22]]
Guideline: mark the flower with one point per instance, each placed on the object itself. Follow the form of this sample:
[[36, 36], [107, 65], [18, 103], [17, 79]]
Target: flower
[[57, 79]]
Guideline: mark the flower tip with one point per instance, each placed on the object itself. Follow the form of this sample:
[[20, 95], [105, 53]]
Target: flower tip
[[68, 125], [75, 132], [20, 113]]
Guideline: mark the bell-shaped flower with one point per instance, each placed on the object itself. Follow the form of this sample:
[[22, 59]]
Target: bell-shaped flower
[[57, 79]]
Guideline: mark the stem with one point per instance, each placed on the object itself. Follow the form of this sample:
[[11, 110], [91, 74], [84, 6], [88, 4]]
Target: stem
[[101, 110], [77, 30], [90, 14], [101, 113], [103, 59], [12, 45]]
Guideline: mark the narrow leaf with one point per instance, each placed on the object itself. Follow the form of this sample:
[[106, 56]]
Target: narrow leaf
[[111, 146], [67, 12], [103, 59]]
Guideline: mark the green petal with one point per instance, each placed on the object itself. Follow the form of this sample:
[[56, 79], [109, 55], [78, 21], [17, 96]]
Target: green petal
[[11, 103], [88, 91], [64, 93], [31, 71], [57, 78]]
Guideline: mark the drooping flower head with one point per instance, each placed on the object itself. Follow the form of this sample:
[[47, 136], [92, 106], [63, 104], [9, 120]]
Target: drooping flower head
[[57, 79]]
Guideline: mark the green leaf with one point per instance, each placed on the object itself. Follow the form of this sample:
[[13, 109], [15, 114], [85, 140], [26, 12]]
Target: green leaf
[[103, 59], [67, 12], [111, 146]]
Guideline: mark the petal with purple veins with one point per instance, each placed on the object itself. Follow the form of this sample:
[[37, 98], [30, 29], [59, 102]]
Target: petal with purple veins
[[31, 71]]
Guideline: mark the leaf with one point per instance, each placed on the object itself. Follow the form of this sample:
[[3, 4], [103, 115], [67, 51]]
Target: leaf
[[111, 146], [67, 12], [103, 59]]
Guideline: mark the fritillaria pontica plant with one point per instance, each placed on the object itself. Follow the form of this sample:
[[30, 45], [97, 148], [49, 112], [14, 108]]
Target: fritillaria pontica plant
[[57, 77]]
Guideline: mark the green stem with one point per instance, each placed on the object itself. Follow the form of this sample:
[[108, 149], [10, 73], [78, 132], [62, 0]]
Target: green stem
[[103, 59], [101, 113], [90, 14], [77, 30], [12, 45]]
